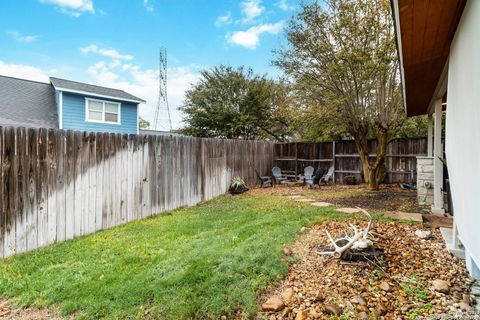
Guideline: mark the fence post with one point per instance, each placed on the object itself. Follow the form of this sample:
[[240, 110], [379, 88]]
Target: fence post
[[333, 160], [296, 159]]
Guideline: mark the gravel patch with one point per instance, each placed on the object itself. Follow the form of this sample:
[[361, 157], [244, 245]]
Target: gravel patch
[[401, 285]]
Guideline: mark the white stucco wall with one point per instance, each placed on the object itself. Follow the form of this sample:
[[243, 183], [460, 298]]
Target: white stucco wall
[[463, 130]]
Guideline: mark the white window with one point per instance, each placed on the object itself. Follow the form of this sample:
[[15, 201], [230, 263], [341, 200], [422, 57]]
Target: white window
[[102, 111]]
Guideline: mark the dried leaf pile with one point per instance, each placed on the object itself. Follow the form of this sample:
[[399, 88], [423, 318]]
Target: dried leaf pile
[[415, 278]]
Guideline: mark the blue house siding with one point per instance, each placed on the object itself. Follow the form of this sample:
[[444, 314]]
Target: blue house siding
[[73, 113]]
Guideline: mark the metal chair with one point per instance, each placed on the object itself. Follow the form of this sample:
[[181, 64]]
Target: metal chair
[[264, 180]]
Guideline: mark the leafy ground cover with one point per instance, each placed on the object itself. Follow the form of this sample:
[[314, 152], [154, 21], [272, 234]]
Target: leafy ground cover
[[388, 198], [205, 261]]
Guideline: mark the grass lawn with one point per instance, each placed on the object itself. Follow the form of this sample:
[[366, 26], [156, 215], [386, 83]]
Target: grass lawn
[[209, 260]]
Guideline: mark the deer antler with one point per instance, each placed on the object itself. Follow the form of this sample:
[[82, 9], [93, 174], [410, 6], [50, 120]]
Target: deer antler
[[358, 241], [369, 225], [339, 250]]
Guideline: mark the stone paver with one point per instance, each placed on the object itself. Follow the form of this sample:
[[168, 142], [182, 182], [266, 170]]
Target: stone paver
[[405, 216], [321, 204], [348, 210], [304, 200], [295, 197]]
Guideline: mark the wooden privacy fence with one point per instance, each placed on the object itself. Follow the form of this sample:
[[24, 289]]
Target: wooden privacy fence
[[56, 185], [401, 157]]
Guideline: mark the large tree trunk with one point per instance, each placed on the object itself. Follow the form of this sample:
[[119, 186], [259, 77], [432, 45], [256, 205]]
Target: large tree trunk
[[372, 172]]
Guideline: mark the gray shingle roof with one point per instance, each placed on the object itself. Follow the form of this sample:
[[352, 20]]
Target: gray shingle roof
[[25, 103], [94, 90]]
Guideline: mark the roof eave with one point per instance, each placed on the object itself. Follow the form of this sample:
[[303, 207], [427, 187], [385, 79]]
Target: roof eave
[[97, 95], [424, 58]]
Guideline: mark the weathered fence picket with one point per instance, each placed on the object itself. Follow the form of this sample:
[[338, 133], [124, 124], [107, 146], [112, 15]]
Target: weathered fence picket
[[56, 185], [20, 219], [70, 186], [9, 191], [32, 178], [41, 185]]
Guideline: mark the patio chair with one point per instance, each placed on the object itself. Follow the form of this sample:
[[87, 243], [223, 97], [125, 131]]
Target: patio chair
[[264, 180], [319, 173], [308, 175], [277, 175], [328, 176]]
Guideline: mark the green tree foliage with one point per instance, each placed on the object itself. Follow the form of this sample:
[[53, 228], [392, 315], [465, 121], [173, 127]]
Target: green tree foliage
[[342, 58], [316, 124], [237, 104], [143, 124], [414, 127]]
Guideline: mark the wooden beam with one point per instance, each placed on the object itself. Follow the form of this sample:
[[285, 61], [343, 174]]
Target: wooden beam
[[333, 157]]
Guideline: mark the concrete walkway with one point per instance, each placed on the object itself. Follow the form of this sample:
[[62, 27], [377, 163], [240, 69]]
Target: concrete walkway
[[313, 202]]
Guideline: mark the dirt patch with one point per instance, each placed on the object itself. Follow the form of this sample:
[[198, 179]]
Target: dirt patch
[[435, 221], [9, 312], [397, 286], [389, 197]]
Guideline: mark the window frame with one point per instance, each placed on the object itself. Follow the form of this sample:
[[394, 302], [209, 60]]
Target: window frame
[[87, 114]]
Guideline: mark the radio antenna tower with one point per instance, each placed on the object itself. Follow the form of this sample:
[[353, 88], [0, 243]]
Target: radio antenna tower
[[163, 120]]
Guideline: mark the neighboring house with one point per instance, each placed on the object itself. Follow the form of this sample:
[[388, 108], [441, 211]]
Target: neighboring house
[[68, 105], [439, 50]]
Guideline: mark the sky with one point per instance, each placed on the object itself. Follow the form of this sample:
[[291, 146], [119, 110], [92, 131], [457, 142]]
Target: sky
[[116, 43]]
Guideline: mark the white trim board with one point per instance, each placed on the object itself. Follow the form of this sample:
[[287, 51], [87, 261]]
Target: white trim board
[[138, 120], [98, 95], [60, 110]]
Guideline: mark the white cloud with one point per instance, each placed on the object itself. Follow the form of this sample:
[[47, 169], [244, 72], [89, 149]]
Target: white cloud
[[148, 5], [121, 72], [23, 72], [143, 83], [110, 53], [283, 5], [250, 38], [72, 7], [224, 20], [251, 9], [22, 38]]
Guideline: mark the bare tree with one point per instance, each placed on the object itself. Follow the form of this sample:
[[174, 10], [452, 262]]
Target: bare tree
[[342, 57]]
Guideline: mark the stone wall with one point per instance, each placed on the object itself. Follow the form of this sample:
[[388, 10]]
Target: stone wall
[[425, 183]]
